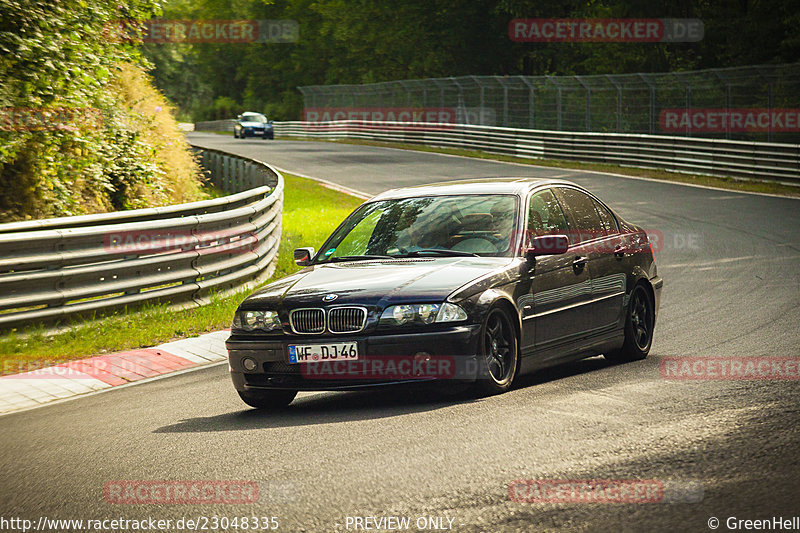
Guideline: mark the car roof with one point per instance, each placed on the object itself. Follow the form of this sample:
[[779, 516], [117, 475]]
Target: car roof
[[495, 185]]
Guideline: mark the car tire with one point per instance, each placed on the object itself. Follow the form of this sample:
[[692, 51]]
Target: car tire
[[639, 323], [499, 353], [268, 399], [235, 135]]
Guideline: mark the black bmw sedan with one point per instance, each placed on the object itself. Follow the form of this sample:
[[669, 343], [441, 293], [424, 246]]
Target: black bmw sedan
[[253, 125], [474, 282]]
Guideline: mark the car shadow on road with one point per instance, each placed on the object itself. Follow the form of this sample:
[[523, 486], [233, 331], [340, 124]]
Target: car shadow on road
[[334, 407], [564, 370], [323, 408]]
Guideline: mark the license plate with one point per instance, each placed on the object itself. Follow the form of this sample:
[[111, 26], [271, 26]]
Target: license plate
[[315, 353]]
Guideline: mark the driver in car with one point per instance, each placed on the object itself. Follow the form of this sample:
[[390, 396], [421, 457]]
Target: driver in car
[[431, 230]]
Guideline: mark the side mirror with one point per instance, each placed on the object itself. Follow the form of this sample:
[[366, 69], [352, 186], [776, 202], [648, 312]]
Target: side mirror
[[269, 122], [547, 245], [303, 256]]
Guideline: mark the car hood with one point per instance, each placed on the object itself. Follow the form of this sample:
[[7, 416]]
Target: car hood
[[252, 124], [377, 283]]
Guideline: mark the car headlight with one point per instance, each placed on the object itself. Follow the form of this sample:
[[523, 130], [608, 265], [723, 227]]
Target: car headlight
[[400, 315], [257, 320]]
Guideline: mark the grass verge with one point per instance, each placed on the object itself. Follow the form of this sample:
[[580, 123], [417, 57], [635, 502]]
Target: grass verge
[[310, 213], [732, 184]]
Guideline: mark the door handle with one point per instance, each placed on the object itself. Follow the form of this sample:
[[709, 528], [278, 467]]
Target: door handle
[[619, 252], [579, 262]]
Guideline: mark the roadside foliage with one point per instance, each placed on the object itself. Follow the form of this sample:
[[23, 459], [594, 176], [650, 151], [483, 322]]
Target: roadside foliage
[[82, 129]]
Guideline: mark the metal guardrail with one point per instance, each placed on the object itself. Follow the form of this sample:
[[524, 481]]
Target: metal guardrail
[[215, 125], [716, 157], [74, 266]]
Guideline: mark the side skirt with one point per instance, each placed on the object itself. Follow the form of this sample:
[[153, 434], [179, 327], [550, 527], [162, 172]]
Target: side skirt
[[572, 351]]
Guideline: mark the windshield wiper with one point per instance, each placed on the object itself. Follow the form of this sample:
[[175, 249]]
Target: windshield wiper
[[438, 251], [365, 257]]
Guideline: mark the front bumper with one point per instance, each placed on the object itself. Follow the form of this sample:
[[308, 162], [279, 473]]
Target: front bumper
[[657, 283], [383, 360], [256, 132]]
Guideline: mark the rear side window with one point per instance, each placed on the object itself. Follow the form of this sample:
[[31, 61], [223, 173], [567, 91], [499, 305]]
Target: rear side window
[[586, 220], [606, 217]]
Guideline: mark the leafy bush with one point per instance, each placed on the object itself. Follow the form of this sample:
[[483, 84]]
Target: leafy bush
[[111, 142]]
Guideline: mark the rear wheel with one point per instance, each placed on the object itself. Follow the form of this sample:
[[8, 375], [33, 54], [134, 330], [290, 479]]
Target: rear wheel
[[639, 323], [499, 353], [268, 399]]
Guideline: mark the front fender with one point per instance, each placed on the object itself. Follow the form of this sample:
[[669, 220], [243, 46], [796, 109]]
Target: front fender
[[497, 296]]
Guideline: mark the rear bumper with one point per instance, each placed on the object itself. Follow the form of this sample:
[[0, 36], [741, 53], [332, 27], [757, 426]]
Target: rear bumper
[[384, 360]]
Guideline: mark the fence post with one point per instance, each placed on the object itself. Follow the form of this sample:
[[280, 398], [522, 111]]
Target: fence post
[[619, 101], [588, 103], [727, 103], [505, 104], [652, 103], [501, 81], [558, 102], [460, 103], [688, 88], [531, 102]]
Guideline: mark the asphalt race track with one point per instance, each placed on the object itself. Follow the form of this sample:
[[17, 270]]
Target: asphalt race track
[[724, 448]]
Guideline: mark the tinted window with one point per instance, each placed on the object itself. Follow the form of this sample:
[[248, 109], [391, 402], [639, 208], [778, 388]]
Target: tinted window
[[587, 222], [480, 224], [253, 117], [545, 216], [608, 220]]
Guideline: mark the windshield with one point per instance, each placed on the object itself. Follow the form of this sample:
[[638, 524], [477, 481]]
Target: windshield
[[253, 117], [438, 225]]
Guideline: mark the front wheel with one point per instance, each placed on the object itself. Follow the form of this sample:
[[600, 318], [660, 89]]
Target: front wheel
[[268, 399], [639, 323], [499, 353]]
